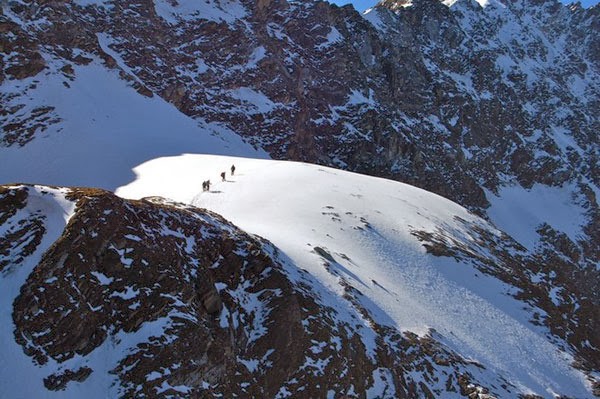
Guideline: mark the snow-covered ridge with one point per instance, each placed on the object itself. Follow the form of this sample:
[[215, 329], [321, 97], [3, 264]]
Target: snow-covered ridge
[[128, 288], [349, 240], [362, 227]]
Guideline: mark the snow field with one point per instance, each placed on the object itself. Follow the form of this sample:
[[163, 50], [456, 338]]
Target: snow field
[[365, 225]]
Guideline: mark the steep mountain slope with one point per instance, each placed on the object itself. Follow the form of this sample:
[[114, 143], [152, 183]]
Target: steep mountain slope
[[491, 104], [347, 282], [362, 235]]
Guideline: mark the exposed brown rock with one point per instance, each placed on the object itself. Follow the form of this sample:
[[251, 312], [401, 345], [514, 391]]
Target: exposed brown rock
[[30, 68], [59, 382]]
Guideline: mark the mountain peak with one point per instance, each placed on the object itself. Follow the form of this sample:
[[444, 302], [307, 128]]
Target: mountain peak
[[395, 5]]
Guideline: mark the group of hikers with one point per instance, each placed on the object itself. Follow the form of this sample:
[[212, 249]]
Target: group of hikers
[[206, 184]]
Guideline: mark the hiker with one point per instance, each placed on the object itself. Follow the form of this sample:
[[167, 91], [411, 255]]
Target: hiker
[[208, 185], [223, 176], [232, 169], [204, 186]]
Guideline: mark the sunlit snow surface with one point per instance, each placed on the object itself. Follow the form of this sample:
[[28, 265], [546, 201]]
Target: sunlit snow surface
[[365, 224]]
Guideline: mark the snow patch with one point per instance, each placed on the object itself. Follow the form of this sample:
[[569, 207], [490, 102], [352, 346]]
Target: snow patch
[[333, 37], [520, 212], [254, 101], [102, 278]]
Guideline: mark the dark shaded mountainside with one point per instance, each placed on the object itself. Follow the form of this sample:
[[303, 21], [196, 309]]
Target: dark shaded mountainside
[[453, 97]]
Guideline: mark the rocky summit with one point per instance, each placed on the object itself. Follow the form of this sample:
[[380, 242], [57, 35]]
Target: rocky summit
[[491, 104]]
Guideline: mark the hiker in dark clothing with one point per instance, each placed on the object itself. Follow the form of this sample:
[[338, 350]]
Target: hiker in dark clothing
[[223, 176], [232, 169], [208, 185], [204, 186]]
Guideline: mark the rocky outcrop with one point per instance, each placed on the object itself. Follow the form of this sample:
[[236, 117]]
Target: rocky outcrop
[[22, 238]]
